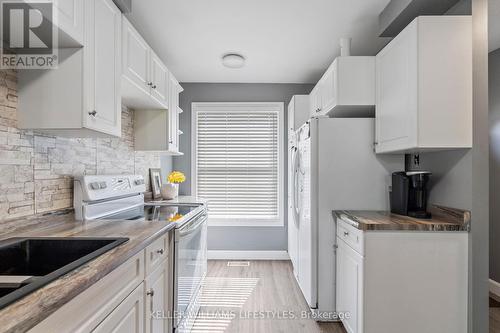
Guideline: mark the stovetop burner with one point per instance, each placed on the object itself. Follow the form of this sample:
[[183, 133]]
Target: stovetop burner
[[164, 213]]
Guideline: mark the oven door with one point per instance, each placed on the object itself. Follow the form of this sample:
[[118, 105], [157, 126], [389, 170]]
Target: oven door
[[190, 270]]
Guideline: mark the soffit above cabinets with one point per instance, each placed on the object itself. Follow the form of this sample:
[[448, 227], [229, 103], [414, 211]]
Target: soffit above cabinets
[[283, 41]]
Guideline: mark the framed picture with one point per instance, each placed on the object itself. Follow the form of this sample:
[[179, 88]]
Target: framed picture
[[155, 175]]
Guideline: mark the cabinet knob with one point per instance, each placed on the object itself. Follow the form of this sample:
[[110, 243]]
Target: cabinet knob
[[150, 84], [154, 87], [346, 233], [171, 142], [160, 251], [150, 292], [93, 113]]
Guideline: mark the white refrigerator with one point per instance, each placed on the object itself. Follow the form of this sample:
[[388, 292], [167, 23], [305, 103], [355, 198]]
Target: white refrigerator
[[333, 167]]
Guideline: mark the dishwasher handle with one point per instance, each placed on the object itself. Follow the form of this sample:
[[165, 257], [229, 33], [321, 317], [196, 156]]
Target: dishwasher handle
[[192, 226]]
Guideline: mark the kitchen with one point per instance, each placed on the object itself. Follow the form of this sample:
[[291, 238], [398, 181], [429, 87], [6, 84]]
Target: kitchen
[[287, 164]]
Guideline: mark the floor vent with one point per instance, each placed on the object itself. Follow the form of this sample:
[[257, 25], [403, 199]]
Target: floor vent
[[238, 264]]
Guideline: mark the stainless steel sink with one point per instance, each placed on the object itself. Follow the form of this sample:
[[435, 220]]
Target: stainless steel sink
[[29, 263]]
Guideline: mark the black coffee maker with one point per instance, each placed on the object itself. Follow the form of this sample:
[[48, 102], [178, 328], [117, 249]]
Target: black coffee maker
[[409, 194]]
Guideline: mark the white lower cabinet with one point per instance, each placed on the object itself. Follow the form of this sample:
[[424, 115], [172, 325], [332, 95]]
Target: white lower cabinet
[[401, 281], [157, 301], [349, 286], [128, 317]]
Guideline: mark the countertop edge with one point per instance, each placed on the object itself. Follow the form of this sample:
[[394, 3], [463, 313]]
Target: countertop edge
[[462, 217]]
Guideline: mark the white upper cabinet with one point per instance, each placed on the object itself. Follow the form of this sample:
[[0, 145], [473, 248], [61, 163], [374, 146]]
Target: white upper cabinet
[[144, 76], [136, 59], [159, 80], [81, 97], [424, 87], [298, 111], [70, 19], [158, 130], [346, 89], [103, 67]]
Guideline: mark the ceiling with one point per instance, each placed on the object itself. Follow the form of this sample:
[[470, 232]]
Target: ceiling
[[283, 41]]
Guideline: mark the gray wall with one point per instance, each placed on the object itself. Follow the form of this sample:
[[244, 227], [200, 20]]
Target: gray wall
[[494, 87], [234, 238]]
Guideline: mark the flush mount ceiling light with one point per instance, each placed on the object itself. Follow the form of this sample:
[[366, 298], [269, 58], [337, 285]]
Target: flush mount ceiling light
[[233, 60]]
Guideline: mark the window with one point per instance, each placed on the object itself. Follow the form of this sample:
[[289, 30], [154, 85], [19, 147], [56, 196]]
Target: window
[[238, 161]]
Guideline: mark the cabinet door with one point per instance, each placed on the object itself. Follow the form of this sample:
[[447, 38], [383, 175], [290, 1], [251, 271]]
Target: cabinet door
[[328, 90], [159, 80], [128, 317], [70, 17], [350, 287], [157, 300], [315, 97], [103, 67], [396, 110], [136, 58]]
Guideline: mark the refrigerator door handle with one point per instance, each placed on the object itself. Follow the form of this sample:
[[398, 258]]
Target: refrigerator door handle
[[295, 208]]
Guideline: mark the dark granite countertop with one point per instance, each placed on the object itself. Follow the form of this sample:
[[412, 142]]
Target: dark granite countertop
[[33, 308], [443, 219]]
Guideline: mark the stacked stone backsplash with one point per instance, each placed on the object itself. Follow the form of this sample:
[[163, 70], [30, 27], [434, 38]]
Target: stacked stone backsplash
[[37, 170]]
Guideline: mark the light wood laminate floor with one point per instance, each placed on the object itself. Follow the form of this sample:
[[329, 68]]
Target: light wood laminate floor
[[259, 298]]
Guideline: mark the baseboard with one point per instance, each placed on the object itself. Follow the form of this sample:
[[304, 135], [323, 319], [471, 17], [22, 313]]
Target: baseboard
[[247, 255], [495, 288]]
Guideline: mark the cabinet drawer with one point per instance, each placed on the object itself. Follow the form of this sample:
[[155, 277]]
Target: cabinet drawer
[[156, 253], [352, 236]]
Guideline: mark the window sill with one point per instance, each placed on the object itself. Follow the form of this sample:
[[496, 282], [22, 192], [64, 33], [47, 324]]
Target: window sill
[[214, 222]]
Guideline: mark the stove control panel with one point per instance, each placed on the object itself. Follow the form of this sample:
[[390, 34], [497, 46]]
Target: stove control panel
[[92, 188]]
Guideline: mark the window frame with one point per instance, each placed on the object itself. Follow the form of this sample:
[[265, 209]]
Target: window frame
[[243, 107]]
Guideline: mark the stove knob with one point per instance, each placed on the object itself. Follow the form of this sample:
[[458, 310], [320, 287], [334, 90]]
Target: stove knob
[[94, 186], [103, 185]]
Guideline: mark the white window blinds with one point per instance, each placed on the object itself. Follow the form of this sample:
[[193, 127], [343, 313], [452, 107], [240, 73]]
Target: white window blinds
[[238, 159]]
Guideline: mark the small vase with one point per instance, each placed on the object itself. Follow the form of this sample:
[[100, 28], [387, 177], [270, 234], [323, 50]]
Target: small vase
[[169, 191]]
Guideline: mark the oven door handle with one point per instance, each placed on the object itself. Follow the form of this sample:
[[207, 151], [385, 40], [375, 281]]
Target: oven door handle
[[191, 227]]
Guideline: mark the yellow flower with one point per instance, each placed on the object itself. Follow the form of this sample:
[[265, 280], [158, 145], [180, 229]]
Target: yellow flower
[[176, 177], [175, 218]]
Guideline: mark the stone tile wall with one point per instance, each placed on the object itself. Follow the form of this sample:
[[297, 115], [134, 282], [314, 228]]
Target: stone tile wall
[[37, 170]]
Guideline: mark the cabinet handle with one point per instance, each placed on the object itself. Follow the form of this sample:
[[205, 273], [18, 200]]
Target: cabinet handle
[[154, 87], [150, 84], [160, 251], [150, 292], [93, 113]]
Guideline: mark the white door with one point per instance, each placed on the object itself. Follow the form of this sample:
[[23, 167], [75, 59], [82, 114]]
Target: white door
[[159, 80], [103, 67], [305, 231], [350, 286], [157, 300], [136, 58], [293, 219], [128, 317], [396, 109], [292, 150]]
